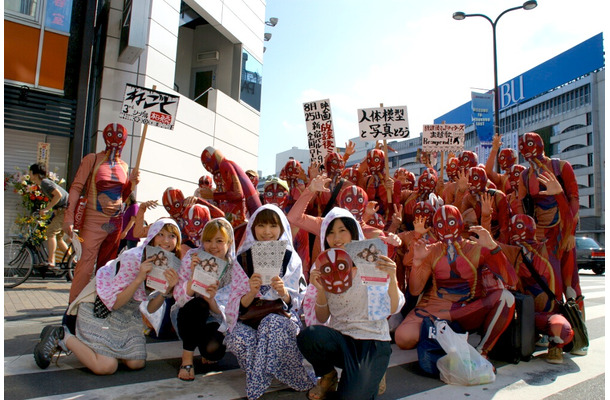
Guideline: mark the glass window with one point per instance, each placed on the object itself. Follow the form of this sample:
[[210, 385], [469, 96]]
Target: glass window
[[28, 10], [251, 80]]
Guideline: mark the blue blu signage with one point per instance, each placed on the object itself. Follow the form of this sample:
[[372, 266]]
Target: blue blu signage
[[58, 15], [482, 115], [580, 60]]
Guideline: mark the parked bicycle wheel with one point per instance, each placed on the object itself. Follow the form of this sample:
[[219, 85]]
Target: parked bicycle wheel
[[18, 263], [72, 260]]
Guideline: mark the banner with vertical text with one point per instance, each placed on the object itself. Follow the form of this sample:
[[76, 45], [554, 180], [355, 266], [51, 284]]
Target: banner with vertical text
[[320, 133]]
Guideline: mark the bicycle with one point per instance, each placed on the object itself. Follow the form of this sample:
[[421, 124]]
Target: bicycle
[[22, 256]]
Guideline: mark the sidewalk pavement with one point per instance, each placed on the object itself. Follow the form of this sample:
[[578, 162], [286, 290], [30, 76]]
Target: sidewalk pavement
[[36, 297]]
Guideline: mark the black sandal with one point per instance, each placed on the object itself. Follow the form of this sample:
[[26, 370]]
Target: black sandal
[[188, 369]]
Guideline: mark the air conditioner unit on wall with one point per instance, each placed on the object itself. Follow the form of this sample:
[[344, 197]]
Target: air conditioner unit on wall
[[208, 56]]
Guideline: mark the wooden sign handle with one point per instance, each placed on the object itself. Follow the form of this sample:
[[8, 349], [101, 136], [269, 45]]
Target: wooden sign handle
[[142, 139]]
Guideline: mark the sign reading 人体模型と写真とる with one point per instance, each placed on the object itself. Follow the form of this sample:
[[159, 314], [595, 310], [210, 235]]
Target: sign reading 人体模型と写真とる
[[443, 137], [320, 133], [383, 123], [149, 107]]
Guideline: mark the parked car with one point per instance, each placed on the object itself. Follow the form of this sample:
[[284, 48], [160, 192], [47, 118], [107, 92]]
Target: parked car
[[590, 255]]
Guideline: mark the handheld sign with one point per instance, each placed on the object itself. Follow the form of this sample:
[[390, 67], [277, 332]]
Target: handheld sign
[[384, 123], [320, 133], [162, 260], [149, 106], [267, 258], [207, 272], [443, 137], [364, 254]]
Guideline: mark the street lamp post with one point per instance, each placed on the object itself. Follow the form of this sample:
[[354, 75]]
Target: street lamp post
[[459, 15]]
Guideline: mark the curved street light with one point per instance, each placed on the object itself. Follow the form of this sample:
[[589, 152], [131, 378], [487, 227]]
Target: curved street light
[[459, 16]]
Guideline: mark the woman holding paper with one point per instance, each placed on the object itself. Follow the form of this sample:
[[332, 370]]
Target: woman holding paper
[[101, 341], [201, 305], [355, 336], [269, 350]]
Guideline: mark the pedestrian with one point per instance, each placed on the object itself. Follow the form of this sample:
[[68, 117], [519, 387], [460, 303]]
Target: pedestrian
[[356, 337], [268, 350], [100, 342], [57, 204], [201, 321]]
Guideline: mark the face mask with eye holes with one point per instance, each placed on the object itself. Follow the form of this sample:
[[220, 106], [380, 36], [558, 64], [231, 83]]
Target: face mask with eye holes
[[335, 267]]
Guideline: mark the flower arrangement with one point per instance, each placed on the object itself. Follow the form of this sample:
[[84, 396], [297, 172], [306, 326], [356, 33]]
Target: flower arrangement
[[32, 199]]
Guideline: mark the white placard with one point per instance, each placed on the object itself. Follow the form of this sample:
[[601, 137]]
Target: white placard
[[389, 123], [207, 271], [443, 137], [320, 132], [149, 107], [267, 258], [364, 254]]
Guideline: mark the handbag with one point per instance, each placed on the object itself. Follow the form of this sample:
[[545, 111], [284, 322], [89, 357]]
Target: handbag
[[260, 308], [569, 309], [99, 308]]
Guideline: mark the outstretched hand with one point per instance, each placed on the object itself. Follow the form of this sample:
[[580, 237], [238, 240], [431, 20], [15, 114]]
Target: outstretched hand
[[319, 184], [484, 238], [553, 186]]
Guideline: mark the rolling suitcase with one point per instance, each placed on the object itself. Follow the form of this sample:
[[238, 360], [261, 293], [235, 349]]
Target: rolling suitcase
[[518, 341]]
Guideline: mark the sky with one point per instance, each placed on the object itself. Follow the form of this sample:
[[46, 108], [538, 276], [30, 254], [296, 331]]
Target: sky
[[359, 54]]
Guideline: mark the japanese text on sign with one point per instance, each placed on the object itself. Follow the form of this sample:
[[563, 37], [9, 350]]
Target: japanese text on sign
[[149, 107], [320, 133], [443, 137], [383, 123]]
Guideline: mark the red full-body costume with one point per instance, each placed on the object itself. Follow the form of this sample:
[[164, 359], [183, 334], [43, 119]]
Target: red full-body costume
[[556, 216], [457, 292], [109, 186], [238, 198], [549, 321]]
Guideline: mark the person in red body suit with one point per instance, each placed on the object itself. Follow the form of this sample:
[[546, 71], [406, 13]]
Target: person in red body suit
[[506, 159], [426, 183], [239, 197], [477, 180], [294, 175], [109, 185], [549, 321], [457, 293], [512, 196], [556, 216]]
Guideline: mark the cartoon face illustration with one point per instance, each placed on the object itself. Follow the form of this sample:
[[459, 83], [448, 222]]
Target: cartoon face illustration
[[507, 158], [425, 210], [172, 201], [335, 267], [354, 199], [333, 163], [195, 217], [426, 182], [448, 223], [376, 221]]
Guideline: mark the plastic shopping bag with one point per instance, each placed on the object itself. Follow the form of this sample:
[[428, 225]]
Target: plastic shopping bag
[[462, 365], [154, 319]]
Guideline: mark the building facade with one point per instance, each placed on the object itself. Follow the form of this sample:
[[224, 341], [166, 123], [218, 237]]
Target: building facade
[[209, 54]]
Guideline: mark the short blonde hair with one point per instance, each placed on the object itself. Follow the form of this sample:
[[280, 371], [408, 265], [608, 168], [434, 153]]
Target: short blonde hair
[[215, 226]]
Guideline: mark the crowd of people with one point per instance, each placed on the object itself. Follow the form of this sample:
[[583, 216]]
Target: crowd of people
[[457, 249]]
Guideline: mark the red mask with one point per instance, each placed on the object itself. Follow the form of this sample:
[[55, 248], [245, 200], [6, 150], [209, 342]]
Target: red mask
[[218, 181], [354, 199], [424, 209], [253, 178], [208, 159], [115, 136], [426, 182], [334, 164], [376, 221], [205, 182], [335, 267], [195, 217], [507, 158], [448, 223], [468, 159], [452, 168], [351, 174], [275, 194], [522, 229], [410, 183], [375, 161], [400, 174], [172, 201], [477, 179], [291, 170], [531, 146], [514, 174]]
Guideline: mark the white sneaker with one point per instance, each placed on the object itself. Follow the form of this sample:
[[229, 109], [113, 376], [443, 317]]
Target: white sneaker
[[580, 352]]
